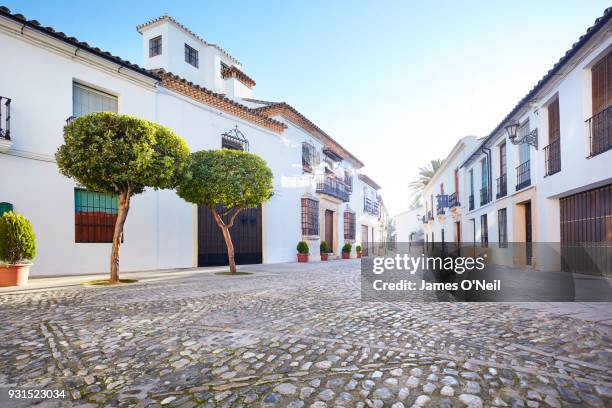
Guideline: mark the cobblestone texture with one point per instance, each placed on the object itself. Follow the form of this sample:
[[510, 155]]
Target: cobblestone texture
[[295, 336]]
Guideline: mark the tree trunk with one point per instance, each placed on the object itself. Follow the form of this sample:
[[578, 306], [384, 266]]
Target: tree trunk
[[226, 235], [122, 211]]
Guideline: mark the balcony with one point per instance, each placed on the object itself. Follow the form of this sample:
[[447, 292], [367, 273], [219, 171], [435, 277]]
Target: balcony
[[600, 132], [453, 200], [430, 215], [332, 187], [552, 157], [370, 207], [5, 124], [348, 180], [484, 196], [523, 175], [502, 186], [471, 202]]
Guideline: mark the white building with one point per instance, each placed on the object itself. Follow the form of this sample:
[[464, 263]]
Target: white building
[[552, 181], [200, 92], [409, 225]]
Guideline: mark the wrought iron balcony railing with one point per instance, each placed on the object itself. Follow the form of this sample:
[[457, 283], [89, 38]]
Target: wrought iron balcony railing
[[5, 118], [523, 175], [471, 202], [370, 206], [348, 180], [552, 155], [484, 195], [440, 211], [502, 186], [600, 131], [453, 200], [333, 187], [430, 215]]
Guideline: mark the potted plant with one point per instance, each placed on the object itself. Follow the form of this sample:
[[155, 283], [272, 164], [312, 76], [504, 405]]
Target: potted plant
[[17, 248], [358, 250], [324, 249], [302, 248], [346, 251]]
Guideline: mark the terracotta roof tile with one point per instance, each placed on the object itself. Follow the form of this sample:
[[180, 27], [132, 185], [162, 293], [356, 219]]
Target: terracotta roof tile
[[369, 181], [233, 72]]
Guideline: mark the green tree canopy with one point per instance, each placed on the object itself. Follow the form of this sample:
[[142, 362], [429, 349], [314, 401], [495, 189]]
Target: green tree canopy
[[230, 179], [121, 154]]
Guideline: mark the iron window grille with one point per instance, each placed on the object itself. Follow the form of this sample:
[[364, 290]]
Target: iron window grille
[[348, 180], [310, 217], [523, 175], [453, 200], [484, 195], [155, 46], [552, 157], [308, 157], [484, 231], [502, 186], [502, 221], [234, 139], [350, 225], [191, 56], [5, 110], [95, 214]]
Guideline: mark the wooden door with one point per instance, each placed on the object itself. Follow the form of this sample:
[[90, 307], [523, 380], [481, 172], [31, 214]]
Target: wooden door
[[329, 228], [246, 236]]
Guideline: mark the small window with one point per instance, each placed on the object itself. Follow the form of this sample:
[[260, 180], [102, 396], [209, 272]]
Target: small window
[[310, 217], [87, 100], [484, 231], [95, 214], [502, 220], [155, 46], [234, 139], [191, 56], [350, 225]]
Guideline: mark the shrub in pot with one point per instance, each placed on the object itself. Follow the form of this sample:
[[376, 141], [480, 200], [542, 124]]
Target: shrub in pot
[[346, 251], [302, 249], [17, 249], [358, 249], [324, 249]]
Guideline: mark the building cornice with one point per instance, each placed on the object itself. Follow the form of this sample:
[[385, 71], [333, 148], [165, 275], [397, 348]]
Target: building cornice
[[233, 72]]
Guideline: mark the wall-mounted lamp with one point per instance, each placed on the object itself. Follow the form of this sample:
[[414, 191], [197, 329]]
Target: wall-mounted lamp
[[531, 138]]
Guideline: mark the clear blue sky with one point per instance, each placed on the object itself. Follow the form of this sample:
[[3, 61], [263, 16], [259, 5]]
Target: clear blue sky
[[396, 82]]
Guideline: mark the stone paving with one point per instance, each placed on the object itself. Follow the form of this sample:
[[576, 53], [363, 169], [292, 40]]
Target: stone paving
[[295, 336]]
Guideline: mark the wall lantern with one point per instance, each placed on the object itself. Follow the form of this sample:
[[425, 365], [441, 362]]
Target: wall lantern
[[531, 138]]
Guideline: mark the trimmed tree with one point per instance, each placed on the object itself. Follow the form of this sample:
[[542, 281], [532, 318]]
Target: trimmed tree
[[227, 182], [121, 154]]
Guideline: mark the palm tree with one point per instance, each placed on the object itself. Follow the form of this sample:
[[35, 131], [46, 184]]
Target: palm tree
[[425, 175]]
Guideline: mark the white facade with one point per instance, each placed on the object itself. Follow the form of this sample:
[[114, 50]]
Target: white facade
[[161, 230], [408, 225]]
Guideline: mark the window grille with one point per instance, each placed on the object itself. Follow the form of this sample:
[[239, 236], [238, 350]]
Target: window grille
[[310, 217], [155, 46], [308, 157], [95, 214], [86, 100], [234, 139], [502, 220], [350, 225], [191, 55]]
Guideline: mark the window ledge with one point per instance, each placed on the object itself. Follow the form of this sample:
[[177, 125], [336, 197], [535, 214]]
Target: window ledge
[[310, 237]]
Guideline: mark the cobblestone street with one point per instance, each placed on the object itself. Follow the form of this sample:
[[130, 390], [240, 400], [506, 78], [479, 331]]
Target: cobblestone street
[[296, 335]]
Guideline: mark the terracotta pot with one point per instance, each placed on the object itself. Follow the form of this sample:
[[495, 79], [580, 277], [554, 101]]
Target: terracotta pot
[[324, 256], [302, 257], [358, 254], [346, 255], [14, 275]]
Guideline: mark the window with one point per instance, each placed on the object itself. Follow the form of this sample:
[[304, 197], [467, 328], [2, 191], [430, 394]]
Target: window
[[155, 46], [350, 225], [601, 83], [308, 156], [87, 100], [484, 174], [502, 159], [191, 56], [95, 214], [554, 127], [523, 148], [484, 231], [310, 217], [502, 221]]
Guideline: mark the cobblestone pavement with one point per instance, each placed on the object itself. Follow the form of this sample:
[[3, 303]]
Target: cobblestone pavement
[[295, 335]]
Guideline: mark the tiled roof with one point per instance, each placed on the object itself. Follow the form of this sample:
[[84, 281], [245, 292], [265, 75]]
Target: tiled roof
[[284, 109], [186, 30], [369, 181], [34, 24], [233, 72], [599, 23], [219, 101]]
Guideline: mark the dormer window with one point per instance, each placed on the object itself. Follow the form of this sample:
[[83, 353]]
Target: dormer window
[[155, 46], [191, 55]]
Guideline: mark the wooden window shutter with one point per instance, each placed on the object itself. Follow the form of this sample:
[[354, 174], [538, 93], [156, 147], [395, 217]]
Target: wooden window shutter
[[601, 83], [554, 129]]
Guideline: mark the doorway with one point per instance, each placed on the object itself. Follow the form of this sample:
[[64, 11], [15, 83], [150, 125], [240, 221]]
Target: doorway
[[329, 229]]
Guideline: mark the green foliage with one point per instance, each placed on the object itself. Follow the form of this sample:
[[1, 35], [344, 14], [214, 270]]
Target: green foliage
[[324, 247], [113, 153], [358, 248], [231, 178], [302, 247], [347, 247], [17, 241]]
